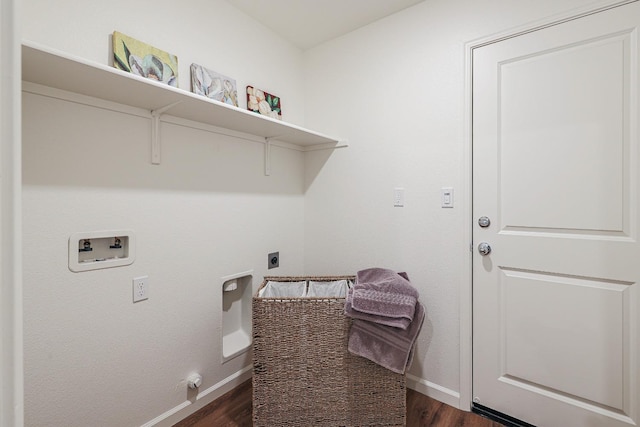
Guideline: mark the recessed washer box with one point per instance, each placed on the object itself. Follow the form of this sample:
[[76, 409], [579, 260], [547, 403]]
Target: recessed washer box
[[94, 250], [236, 314]]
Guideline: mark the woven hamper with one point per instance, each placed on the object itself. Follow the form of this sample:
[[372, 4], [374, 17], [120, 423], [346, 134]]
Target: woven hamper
[[303, 374]]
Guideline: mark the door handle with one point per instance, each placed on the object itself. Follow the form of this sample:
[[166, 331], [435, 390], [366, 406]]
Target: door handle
[[484, 221], [484, 248]]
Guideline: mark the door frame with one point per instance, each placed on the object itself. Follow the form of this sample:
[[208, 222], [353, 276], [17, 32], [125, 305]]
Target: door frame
[[11, 354], [466, 287]]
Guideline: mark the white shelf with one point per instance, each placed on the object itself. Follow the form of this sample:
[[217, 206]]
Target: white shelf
[[44, 66]]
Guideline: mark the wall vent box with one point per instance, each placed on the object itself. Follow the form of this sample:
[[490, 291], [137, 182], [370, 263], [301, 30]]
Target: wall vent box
[[236, 314], [94, 250]]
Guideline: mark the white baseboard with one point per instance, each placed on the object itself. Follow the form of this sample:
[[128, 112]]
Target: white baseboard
[[435, 391], [207, 396], [180, 412]]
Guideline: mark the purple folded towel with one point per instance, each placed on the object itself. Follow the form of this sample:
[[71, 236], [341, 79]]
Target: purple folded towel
[[389, 347], [383, 292], [396, 322]]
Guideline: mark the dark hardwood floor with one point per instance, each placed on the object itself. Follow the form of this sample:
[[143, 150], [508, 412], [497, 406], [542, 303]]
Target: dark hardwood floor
[[234, 410]]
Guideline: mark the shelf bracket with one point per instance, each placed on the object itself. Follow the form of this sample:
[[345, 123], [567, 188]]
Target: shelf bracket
[[267, 156], [155, 132]]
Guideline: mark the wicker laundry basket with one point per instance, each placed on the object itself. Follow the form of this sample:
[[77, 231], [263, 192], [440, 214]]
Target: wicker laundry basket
[[303, 374]]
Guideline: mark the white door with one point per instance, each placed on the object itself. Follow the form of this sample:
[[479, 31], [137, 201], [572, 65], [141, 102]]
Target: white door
[[556, 303]]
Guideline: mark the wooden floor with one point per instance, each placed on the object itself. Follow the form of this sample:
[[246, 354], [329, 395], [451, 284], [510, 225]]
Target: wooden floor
[[234, 410]]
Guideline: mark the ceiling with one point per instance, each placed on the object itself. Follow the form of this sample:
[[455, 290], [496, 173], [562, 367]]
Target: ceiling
[[307, 23]]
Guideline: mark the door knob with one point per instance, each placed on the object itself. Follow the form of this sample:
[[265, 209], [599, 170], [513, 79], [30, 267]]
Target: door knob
[[484, 221], [484, 248]]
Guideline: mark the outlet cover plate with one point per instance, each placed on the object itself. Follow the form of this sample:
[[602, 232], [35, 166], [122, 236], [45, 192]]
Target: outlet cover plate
[[140, 288]]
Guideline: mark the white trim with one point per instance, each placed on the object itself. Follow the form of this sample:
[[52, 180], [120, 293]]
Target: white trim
[[245, 373], [573, 14], [328, 146], [11, 332], [466, 287], [466, 307], [435, 391], [173, 415], [167, 414]]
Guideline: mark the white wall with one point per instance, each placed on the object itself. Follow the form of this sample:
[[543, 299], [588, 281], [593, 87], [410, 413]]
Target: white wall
[[91, 356], [395, 91]]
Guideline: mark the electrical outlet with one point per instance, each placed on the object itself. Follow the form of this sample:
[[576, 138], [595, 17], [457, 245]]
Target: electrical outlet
[[273, 260], [140, 288]]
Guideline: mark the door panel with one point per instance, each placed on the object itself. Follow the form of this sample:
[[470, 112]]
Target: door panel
[[539, 326], [548, 117], [555, 168]]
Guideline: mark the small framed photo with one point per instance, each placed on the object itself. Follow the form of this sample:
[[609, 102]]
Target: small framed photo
[[263, 103], [144, 60], [213, 85]]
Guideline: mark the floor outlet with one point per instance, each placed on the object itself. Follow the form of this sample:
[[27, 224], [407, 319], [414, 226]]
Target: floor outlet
[[140, 288]]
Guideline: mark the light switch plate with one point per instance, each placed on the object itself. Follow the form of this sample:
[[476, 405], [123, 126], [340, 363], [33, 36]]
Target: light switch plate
[[446, 194], [398, 197]]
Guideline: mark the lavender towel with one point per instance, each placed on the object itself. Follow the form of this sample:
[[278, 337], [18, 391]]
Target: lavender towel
[[383, 292], [396, 322], [389, 347]]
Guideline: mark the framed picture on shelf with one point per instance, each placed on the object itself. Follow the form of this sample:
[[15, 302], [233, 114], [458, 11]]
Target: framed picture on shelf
[[144, 60], [263, 103], [213, 85]]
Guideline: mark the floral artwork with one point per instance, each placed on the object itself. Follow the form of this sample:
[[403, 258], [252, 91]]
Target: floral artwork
[[263, 103], [144, 60], [213, 85]]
